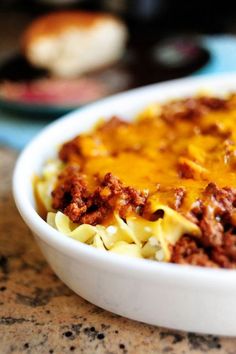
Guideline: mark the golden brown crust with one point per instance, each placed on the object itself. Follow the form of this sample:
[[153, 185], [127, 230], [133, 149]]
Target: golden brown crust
[[54, 23]]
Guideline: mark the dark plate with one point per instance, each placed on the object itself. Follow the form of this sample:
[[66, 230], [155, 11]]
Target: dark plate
[[142, 64], [35, 110]]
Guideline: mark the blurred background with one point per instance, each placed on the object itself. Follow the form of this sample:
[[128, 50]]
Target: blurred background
[[166, 40]]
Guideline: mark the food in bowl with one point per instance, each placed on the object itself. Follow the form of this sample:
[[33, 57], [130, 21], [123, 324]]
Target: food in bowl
[[161, 187]]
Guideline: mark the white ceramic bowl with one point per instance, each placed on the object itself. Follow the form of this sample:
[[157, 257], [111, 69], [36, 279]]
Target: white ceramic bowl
[[180, 297]]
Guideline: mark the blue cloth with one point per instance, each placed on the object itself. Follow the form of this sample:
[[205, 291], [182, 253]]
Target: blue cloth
[[223, 55], [17, 131]]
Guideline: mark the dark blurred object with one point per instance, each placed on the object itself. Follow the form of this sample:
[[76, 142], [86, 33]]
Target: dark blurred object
[[161, 16], [180, 52], [167, 15], [141, 9], [59, 2], [17, 68], [42, 6], [195, 15], [165, 59]]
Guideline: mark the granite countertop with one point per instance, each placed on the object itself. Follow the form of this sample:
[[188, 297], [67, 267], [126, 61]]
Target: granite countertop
[[39, 314]]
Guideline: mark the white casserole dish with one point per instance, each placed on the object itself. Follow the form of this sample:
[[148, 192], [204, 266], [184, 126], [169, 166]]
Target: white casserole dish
[[180, 297]]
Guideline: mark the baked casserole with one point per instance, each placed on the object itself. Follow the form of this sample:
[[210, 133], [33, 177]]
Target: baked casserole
[[161, 187]]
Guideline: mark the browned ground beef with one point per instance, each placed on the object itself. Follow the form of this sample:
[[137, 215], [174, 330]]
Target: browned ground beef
[[71, 196], [215, 215], [191, 108], [188, 251]]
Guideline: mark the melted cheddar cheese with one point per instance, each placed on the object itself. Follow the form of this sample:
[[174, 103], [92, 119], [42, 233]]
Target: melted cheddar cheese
[[156, 155]]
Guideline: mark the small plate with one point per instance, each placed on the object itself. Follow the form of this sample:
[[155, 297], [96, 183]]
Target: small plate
[[30, 91], [26, 90]]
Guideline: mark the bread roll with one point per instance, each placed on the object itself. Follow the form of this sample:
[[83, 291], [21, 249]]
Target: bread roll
[[69, 44]]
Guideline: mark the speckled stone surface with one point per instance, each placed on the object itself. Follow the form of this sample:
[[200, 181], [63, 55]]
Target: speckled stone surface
[[39, 314]]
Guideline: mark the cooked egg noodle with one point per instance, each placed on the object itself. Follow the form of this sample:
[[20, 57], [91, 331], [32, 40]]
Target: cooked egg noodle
[[137, 237]]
